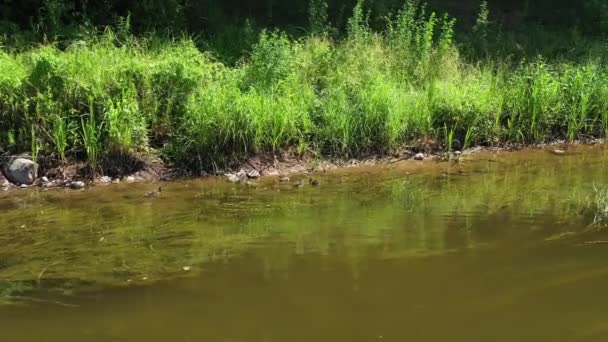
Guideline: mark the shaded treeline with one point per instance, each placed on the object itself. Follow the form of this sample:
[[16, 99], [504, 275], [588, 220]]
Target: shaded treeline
[[195, 16]]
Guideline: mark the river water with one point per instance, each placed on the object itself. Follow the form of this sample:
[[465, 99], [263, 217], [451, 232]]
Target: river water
[[497, 247]]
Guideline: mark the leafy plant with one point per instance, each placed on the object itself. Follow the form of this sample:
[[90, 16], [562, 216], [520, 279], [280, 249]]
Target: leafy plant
[[60, 136], [90, 138]]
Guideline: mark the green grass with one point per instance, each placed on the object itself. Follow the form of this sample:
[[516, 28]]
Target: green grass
[[601, 206], [368, 92]]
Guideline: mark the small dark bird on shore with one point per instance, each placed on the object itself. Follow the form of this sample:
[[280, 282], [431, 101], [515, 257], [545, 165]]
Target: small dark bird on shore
[[155, 193], [313, 182]]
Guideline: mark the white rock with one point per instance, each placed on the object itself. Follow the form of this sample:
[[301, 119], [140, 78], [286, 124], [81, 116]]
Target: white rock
[[239, 177], [253, 174], [78, 185], [105, 180], [419, 156]]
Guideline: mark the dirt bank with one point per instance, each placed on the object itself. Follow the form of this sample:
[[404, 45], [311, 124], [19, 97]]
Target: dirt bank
[[151, 168]]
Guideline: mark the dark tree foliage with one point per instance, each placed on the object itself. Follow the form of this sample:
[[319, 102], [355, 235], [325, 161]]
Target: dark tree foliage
[[195, 16]]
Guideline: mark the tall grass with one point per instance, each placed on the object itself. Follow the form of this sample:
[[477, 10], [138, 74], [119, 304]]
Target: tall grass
[[369, 92]]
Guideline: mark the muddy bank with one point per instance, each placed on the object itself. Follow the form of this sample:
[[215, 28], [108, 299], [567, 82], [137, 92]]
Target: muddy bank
[[144, 168]]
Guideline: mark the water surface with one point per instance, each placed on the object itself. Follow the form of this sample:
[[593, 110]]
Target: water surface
[[496, 248]]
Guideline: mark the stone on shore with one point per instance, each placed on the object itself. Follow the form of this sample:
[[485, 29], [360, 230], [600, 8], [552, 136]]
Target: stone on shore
[[77, 185], [21, 171]]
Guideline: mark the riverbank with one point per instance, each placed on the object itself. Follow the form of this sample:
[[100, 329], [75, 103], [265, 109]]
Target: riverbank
[[153, 170], [109, 103]]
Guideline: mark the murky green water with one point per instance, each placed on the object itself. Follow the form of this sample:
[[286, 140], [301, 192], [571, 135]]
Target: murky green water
[[493, 249]]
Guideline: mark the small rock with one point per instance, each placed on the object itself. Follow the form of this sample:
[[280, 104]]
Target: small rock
[[272, 173], [44, 179], [232, 178], [21, 171], [285, 180], [143, 176], [105, 180], [24, 186], [253, 174], [419, 156], [239, 177], [313, 182], [558, 152], [130, 179], [78, 185], [115, 181], [186, 268]]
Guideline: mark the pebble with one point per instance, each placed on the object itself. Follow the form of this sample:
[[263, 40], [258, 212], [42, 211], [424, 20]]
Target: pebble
[[558, 152], [240, 177], [130, 179], [419, 156], [44, 179], [78, 185], [285, 180], [232, 178], [115, 181], [24, 186], [186, 268], [253, 174], [105, 180]]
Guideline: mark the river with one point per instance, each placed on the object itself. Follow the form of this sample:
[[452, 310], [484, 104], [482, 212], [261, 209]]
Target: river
[[496, 247]]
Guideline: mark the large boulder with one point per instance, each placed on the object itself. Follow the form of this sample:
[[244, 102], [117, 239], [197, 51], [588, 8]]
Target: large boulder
[[21, 171]]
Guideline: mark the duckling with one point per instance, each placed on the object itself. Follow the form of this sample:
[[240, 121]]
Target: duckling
[[313, 182], [155, 193]]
